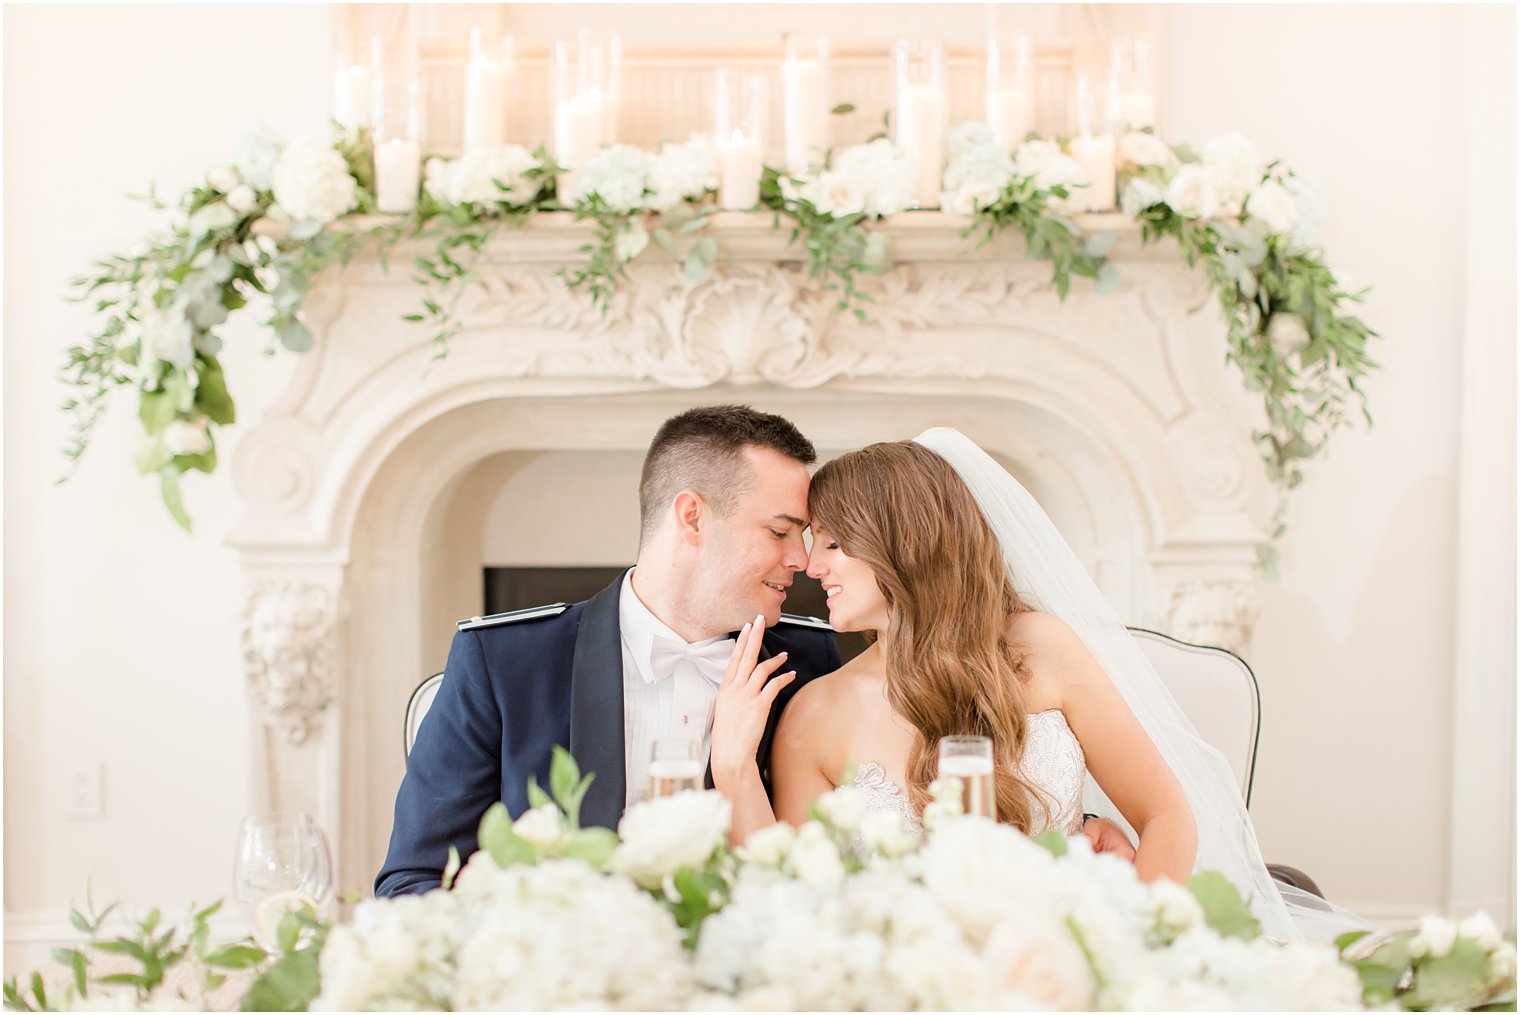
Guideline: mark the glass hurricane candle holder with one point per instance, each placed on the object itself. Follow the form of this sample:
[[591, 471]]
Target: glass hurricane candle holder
[[920, 119]]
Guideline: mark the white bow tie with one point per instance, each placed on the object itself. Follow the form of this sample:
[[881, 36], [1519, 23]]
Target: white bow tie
[[711, 659]]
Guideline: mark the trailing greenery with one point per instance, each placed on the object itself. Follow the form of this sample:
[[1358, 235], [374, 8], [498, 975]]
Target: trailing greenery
[[263, 231]]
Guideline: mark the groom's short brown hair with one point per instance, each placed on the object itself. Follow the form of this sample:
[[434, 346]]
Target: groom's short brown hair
[[700, 450]]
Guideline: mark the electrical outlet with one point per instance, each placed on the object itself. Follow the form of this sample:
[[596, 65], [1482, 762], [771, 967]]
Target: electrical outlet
[[84, 803]]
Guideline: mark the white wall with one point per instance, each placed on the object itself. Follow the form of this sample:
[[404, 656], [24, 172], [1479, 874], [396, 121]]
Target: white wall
[[122, 642]]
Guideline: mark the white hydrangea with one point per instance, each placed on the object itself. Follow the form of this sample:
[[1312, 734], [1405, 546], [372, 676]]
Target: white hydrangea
[[977, 172], [1309, 209], [312, 183], [662, 836], [618, 174], [769, 846], [1139, 194], [473, 177], [166, 333], [1434, 938], [815, 859], [844, 808], [394, 952], [256, 147], [883, 832], [562, 935], [682, 171], [1046, 164]]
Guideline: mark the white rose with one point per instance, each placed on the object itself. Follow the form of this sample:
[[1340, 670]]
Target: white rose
[[1177, 909], [1139, 194], [884, 832], [256, 148], [1046, 164], [884, 174], [836, 194], [209, 217], [1192, 193], [967, 199], [1435, 938], [167, 334], [630, 241], [1481, 929], [1272, 205], [1037, 957], [815, 859], [1236, 167], [479, 176], [541, 826], [1140, 149], [242, 199], [769, 846], [1287, 334], [844, 808], [662, 836], [311, 182], [969, 136], [186, 437], [222, 178]]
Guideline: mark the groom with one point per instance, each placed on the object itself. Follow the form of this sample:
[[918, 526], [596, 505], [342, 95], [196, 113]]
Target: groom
[[723, 502]]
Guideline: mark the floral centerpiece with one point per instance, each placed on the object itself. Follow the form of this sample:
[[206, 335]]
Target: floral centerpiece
[[848, 912]]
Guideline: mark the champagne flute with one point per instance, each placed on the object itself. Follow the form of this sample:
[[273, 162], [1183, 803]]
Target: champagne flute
[[969, 759], [283, 863], [674, 767]]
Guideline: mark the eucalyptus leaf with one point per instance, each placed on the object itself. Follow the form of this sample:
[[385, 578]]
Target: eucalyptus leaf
[[505, 845], [1051, 839], [289, 984], [1109, 277], [694, 268], [1100, 244], [1224, 908], [295, 337], [168, 481]]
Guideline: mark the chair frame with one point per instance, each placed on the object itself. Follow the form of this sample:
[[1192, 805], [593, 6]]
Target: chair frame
[[407, 740], [1255, 694]]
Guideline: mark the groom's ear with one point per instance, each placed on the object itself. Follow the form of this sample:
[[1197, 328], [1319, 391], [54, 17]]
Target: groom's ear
[[690, 513]]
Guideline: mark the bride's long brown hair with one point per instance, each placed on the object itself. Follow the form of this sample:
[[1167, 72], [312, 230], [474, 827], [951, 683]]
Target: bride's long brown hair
[[951, 669]]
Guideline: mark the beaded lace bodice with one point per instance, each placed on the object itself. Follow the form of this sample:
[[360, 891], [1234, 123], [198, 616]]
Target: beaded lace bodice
[[1053, 761]]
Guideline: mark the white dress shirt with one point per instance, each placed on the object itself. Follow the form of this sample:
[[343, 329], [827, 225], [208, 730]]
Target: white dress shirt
[[662, 702]]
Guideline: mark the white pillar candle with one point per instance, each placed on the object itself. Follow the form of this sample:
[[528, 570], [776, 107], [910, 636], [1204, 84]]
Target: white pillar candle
[[579, 126], [741, 163], [1010, 113], [485, 102], [1139, 110], [921, 132], [805, 113], [398, 171], [1095, 154], [353, 95]]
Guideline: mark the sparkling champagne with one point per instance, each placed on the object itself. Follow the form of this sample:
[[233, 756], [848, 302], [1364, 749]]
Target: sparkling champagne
[[975, 775], [668, 777]]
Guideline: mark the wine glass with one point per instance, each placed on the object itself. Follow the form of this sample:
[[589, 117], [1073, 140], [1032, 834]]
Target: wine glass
[[969, 759], [674, 767], [283, 863]]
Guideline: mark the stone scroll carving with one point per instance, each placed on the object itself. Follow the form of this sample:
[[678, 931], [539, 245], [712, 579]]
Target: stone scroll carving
[[1212, 611], [289, 628]]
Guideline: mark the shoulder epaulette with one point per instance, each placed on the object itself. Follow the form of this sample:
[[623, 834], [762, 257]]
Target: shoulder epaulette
[[514, 617], [814, 622]]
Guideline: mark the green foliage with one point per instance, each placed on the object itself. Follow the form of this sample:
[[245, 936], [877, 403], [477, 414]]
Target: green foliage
[[1048, 235], [1468, 977], [1224, 908], [839, 249]]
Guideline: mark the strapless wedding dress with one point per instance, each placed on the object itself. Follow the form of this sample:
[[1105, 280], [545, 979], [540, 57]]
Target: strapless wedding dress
[[1053, 761]]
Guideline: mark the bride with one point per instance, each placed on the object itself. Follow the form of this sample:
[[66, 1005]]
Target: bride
[[985, 624]]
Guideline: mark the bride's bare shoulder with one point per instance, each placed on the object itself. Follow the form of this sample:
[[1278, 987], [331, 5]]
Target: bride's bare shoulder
[[1040, 633], [820, 703]]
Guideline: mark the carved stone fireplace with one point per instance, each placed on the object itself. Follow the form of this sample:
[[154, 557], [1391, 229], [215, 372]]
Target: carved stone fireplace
[[377, 488]]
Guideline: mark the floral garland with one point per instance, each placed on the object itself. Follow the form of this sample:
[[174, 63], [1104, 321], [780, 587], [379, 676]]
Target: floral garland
[[265, 226], [850, 912]]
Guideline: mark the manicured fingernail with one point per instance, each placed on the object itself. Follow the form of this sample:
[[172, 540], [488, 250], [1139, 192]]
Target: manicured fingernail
[[759, 620]]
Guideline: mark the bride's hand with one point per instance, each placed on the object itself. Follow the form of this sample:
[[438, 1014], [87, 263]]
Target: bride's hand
[[744, 705]]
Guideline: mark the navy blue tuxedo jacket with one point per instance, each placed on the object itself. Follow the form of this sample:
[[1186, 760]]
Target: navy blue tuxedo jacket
[[510, 693]]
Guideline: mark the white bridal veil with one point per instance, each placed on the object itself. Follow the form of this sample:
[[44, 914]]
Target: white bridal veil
[[1048, 576]]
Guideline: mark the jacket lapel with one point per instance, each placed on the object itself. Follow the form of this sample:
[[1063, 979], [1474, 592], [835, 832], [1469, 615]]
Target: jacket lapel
[[596, 708]]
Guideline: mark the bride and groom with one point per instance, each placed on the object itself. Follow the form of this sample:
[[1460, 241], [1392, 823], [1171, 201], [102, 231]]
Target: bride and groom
[[984, 624]]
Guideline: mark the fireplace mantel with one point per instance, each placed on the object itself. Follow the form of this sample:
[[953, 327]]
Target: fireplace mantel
[[1118, 410]]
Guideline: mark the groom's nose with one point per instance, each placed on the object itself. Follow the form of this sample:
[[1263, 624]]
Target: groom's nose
[[796, 553]]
